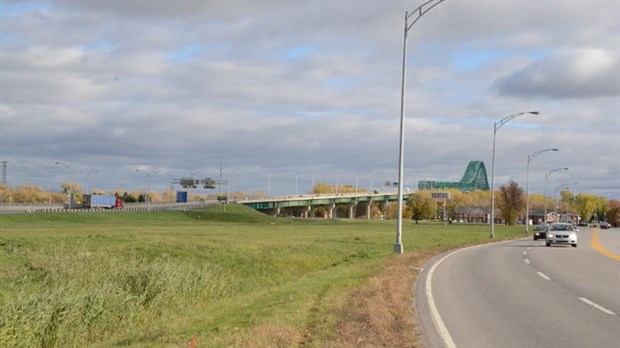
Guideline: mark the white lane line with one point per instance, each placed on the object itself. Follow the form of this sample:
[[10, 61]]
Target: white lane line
[[525, 253], [597, 306], [543, 275], [439, 324], [527, 261]]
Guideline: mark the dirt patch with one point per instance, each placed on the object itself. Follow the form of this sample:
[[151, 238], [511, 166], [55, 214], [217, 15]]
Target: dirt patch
[[380, 314]]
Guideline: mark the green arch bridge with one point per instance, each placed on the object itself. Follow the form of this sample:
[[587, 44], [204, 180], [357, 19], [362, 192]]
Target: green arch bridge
[[475, 178]]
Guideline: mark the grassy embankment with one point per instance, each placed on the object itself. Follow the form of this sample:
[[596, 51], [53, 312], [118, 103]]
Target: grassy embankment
[[224, 278]]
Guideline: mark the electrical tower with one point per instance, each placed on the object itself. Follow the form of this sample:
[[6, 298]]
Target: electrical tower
[[4, 172]]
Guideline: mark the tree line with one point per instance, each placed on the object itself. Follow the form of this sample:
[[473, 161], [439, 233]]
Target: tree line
[[510, 204], [510, 200]]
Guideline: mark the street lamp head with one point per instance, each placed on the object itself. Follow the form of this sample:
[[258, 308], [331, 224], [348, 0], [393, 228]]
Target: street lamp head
[[554, 149], [534, 112]]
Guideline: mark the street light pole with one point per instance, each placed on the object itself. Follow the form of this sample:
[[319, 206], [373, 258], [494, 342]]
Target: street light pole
[[530, 157], [562, 186], [87, 175], [147, 195], [547, 174], [69, 189], [418, 13], [496, 126]]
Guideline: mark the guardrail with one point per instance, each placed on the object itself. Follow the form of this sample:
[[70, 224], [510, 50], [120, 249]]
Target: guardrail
[[129, 207]]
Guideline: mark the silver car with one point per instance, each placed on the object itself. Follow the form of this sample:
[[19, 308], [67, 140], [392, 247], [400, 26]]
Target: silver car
[[561, 233]]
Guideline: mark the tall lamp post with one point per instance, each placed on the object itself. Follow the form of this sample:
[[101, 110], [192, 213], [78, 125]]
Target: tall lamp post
[[417, 14], [147, 195], [561, 186], [496, 126], [87, 175], [69, 189], [547, 174], [530, 157]]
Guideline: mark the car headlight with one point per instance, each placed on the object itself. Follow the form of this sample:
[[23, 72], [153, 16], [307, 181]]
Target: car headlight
[[550, 235]]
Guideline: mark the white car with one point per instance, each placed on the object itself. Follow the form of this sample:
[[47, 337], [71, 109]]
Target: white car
[[561, 233]]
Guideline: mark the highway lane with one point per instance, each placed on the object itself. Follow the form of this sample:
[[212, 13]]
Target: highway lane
[[523, 294]]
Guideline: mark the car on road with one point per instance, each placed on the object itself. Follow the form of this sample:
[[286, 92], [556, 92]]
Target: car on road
[[561, 234], [540, 232], [604, 225]]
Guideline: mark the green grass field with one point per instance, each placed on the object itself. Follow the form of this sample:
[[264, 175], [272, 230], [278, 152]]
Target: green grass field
[[226, 276]]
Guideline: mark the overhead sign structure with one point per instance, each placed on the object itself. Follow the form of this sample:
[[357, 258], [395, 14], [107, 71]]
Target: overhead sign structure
[[207, 183]]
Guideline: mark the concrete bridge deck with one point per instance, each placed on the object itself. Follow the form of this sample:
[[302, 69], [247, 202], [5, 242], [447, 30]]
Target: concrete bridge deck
[[303, 205]]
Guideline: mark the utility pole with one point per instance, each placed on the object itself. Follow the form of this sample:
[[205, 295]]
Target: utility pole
[[4, 172]]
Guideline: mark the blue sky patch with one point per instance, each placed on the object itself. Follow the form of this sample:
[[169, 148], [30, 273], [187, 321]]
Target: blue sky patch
[[185, 53], [105, 46], [468, 59], [21, 8], [297, 52]]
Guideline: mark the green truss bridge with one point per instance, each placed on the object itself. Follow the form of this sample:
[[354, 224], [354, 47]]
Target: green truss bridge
[[475, 178]]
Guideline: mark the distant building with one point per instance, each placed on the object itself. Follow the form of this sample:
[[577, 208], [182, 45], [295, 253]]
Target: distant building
[[475, 178]]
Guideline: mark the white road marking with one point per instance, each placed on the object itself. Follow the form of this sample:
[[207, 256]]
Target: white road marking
[[597, 306], [543, 275], [527, 261], [525, 253], [439, 324]]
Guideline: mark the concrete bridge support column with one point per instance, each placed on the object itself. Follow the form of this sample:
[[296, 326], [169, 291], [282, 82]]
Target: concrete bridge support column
[[367, 206], [352, 206], [275, 211], [331, 209], [305, 212]]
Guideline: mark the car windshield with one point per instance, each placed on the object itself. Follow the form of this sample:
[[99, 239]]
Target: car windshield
[[561, 228]]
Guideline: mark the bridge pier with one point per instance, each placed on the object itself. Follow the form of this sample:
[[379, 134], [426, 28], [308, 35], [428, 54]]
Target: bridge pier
[[306, 211], [275, 211], [351, 206], [366, 206], [331, 209]]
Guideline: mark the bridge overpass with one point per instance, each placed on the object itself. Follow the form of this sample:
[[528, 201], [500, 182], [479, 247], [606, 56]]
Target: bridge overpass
[[304, 206], [351, 205]]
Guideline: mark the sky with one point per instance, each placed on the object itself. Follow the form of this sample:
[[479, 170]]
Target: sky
[[279, 95]]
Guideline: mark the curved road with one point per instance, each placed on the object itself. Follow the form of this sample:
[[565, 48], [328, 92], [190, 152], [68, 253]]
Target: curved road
[[523, 294]]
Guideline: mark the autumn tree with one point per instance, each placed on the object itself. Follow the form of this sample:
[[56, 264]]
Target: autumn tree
[[73, 189], [537, 201], [457, 200], [6, 194], [421, 206], [511, 202], [390, 211], [567, 200], [323, 188], [612, 208], [587, 205], [169, 195], [478, 198], [30, 194]]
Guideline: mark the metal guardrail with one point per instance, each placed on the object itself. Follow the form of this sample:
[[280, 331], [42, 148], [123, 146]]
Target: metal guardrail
[[129, 207]]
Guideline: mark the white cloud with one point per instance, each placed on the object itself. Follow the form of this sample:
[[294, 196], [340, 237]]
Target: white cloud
[[307, 89], [567, 74]]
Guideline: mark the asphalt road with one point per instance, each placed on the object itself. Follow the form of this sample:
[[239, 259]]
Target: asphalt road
[[523, 294]]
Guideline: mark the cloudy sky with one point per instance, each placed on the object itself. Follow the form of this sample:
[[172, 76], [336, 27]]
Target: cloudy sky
[[286, 93]]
